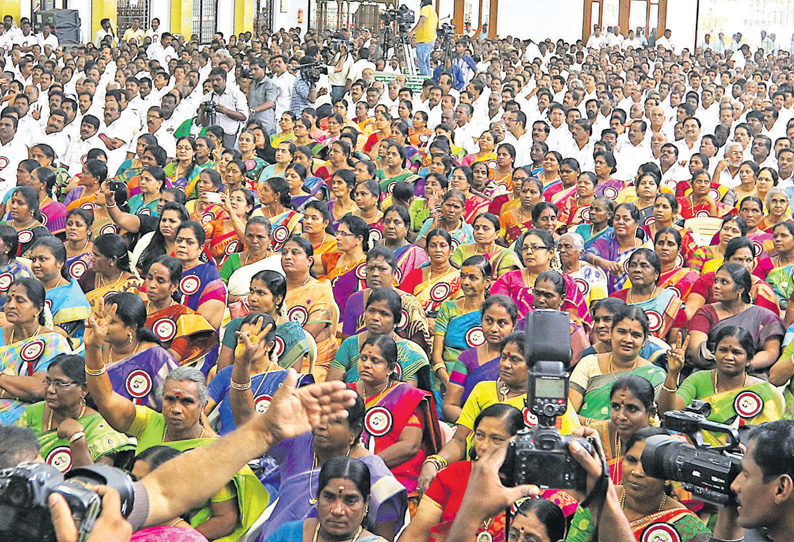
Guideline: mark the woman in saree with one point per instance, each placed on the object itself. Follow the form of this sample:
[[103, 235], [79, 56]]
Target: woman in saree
[[486, 147], [382, 130], [495, 426], [479, 364], [94, 173], [665, 215], [673, 277], [781, 277], [742, 251], [551, 168], [458, 325], [11, 268], [482, 184], [593, 376], [382, 315], [517, 221], [700, 201], [184, 333], [345, 269], [448, 217], [486, 230], [72, 434], [299, 193], [162, 241], [132, 167], [502, 175], [748, 175], [45, 156], [24, 177], [23, 208], [612, 250], [559, 191], [268, 292], [766, 181], [208, 187], [65, 299], [381, 271], [394, 167], [338, 159], [27, 349], [334, 124], [396, 221], [511, 389], [182, 173], [662, 306], [286, 124], [110, 271], [601, 212], [639, 494], [434, 283], [411, 432], [401, 136], [226, 235], [576, 209], [285, 151], [201, 288], [233, 509], [344, 484], [729, 389], [708, 259], [277, 207], [317, 229], [343, 186], [152, 182], [303, 136], [537, 248], [79, 249], [53, 212], [461, 179], [246, 143], [239, 267], [234, 177], [420, 133], [733, 307], [751, 209], [605, 166], [646, 187], [368, 196], [591, 280], [778, 208], [632, 406], [311, 302]]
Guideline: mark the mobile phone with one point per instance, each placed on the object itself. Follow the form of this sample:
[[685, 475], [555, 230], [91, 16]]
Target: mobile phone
[[213, 197]]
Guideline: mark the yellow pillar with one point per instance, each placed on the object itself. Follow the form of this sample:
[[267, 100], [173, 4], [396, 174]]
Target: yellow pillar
[[182, 17], [103, 9], [10, 7], [244, 15]]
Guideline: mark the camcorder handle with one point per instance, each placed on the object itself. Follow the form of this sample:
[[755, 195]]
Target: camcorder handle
[[714, 427]]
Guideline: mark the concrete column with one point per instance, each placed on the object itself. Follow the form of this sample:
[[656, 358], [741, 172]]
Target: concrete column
[[243, 15], [182, 17], [102, 9]]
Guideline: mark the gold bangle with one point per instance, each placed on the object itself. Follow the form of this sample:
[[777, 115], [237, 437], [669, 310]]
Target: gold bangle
[[438, 366], [241, 387], [438, 460], [77, 436], [671, 390], [96, 372]]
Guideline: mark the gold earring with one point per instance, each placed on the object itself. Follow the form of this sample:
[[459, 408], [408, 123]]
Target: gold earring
[[129, 336]]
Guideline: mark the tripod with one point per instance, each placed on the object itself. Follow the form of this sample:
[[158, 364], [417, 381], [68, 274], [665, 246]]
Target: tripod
[[399, 44]]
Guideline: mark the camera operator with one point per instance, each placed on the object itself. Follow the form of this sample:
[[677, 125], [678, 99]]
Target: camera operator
[[262, 97], [304, 91], [340, 76], [425, 32], [224, 106], [486, 497]]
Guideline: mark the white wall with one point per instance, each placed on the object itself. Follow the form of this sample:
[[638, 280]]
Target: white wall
[[289, 19], [225, 17], [681, 22], [161, 10], [540, 19]]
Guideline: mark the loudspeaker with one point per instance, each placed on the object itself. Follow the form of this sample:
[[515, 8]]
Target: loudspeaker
[[65, 24]]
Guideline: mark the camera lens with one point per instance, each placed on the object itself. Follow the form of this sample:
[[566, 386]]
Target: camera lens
[[16, 494]]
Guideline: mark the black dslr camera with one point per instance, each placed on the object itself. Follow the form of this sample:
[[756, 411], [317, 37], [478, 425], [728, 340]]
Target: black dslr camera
[[210, 106], [705, 471], [540, 455], [25, 490]]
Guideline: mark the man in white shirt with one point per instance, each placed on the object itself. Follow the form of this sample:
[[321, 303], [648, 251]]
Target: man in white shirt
[[78, 148], [26, 38], [739, 58], [614, 38], [12, 152], [116, 136], [559, 135], [634, 152], [285, 81], [729, 170], [54, 136], [28, 128], [154, 121], [155, 31], [665, 41], [358, 67], [230, 111], [596, 40], [582, 148], [466, 132], [672, 172], [517, 135], [691, 142], [47, 37]]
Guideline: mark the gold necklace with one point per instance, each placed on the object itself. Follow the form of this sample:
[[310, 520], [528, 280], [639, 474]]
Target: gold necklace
[[82, 251], [11, 338], [629, 297], [166, 439], [502, 388], [609, 366], [110, 352], [49, 421], [364, 390], [623, 501], [716, 375], [317, 532], [617, 448], [102, 282]]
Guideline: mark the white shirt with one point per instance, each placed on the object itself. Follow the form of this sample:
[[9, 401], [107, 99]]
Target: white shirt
[[26, 41], [11, 155], [232, 99], [51, 40], [285, 82]]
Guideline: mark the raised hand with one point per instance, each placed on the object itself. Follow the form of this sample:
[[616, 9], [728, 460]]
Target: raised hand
[[675, 356], [96, 327], [250, 342]]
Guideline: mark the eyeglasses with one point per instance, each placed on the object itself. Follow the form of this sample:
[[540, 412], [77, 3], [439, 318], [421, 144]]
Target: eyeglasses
[[535, 248], [59, 384], [344, 233]]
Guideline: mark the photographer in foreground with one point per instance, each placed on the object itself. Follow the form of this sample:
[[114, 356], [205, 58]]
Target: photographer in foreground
[[304, 91], [166, 493], [486, 496], [225, 106]]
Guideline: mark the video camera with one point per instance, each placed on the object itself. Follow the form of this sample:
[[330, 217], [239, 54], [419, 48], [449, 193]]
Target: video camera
[[336, 40], [446, 30], [310, 72], [403, 16], [705, 471], [25, 491], [540, 455]]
